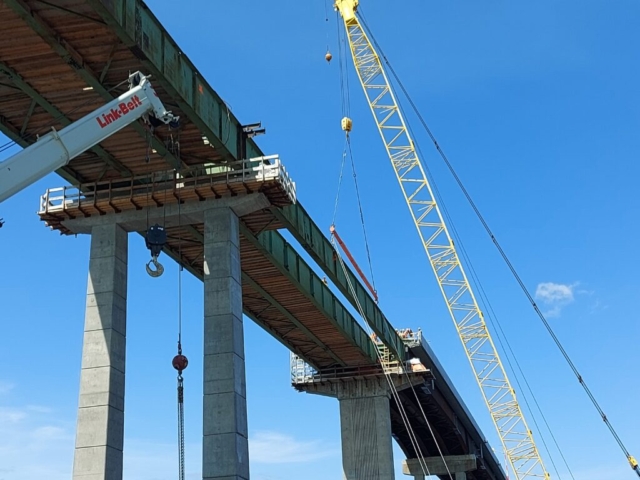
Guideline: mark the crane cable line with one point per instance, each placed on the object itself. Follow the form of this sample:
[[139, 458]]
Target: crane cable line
[[394, 392], [485, 301], [453, 283], [344, 93], [632, 461]]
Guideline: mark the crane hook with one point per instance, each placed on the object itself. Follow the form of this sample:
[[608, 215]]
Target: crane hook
[[155, 239], [328, 56], [159, 268]]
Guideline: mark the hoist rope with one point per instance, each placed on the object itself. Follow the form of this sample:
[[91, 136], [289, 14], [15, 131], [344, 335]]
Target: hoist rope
[[344, 157], [326, 22], [394, 392], [180, 380], [404, 415], [364, 230], [495, 321], [507, 261], [344, 71]]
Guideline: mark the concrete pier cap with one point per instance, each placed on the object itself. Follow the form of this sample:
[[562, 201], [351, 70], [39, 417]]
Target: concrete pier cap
[[456, 465]]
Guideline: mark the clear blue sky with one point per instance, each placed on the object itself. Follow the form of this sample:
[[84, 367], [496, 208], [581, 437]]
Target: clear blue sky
[[536, 104]]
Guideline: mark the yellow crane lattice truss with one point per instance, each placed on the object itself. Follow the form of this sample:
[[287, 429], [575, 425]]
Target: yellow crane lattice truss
[[500, 397]]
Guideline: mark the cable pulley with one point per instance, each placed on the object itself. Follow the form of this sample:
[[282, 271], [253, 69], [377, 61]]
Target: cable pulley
[[155, 239]]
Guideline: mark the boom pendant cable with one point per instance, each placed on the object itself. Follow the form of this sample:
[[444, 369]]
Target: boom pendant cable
[[632, 461]]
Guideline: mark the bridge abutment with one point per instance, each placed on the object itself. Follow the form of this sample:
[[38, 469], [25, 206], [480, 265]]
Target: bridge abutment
[[100, 427]]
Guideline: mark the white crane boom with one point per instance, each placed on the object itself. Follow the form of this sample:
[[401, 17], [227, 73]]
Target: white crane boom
[[56, 149]]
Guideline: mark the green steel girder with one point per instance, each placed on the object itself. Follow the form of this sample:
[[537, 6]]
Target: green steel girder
[[27, 117], [306, 232], [75, 61], [246, 278], [279, 338], [144, 35], [12, 133], [272, 301], [284, 257], [58, 115]]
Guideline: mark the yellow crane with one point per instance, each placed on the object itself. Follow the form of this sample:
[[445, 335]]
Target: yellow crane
[[500, 397]]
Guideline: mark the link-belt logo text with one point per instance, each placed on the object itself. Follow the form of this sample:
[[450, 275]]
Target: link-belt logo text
[[115, 113]]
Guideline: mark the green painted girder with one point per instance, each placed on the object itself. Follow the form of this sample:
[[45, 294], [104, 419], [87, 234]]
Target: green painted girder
[[274, 249], [290, 264], [75, 61], [312, 339], [138, 28], [306, 232]]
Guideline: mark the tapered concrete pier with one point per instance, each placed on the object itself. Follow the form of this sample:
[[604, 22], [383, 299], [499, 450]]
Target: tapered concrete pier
[[100, 428], [225, 444]]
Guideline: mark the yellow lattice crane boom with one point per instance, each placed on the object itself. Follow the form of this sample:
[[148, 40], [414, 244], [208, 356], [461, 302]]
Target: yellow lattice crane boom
[[516, 437]]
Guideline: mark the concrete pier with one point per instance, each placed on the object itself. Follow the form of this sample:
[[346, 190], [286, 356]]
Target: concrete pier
[[365, 424], [225, 444], [100, 428], [365, 421]]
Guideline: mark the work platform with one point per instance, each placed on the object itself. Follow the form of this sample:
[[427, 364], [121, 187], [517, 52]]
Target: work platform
[[61, 59]]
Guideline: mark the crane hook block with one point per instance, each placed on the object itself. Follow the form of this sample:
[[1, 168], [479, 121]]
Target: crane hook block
[[347, 124], [156, 239], [180, 362], [328, 56]]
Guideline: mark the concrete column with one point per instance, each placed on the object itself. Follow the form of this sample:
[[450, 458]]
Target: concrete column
[[225, 445], [365, 423], [100, 429]]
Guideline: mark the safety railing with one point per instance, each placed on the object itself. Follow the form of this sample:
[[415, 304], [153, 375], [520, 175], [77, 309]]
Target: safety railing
[[303, 373], [165, 186]]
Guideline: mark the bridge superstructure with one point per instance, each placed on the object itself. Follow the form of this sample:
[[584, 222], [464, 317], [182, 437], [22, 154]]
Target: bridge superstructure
[[223, 203]]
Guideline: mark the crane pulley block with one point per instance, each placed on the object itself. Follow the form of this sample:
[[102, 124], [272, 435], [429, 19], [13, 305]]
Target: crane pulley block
[[156, 239]]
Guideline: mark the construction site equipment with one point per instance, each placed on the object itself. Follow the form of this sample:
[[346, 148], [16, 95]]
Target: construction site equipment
[[56, 149], [515, 435]]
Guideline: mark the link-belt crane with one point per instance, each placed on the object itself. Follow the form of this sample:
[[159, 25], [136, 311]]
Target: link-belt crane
[[56, 149], [516, 437]]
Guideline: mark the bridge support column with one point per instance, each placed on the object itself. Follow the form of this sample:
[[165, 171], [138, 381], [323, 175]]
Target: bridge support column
[[365, 423], [100, 428], [458, 465], [225, 452]]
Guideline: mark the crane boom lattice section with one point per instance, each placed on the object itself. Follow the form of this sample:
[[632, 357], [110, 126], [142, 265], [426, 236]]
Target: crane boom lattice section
[[500, 397]]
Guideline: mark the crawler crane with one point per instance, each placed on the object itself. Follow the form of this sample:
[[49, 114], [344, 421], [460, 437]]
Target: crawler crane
[[516, 437]]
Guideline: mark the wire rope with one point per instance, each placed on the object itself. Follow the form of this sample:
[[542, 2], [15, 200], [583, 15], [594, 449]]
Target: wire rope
[[509, 264]]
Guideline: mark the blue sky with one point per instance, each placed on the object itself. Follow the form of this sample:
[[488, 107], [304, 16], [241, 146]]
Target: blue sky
[[536, 105]]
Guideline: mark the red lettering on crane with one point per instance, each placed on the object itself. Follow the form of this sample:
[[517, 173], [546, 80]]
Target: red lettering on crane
[[114, 114]]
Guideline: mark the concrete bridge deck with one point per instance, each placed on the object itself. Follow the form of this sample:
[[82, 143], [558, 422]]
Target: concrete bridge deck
[[60, 60]]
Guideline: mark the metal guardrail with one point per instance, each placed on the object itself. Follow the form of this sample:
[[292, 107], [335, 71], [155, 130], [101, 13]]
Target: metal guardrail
[[259, 169], [303, 373]]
